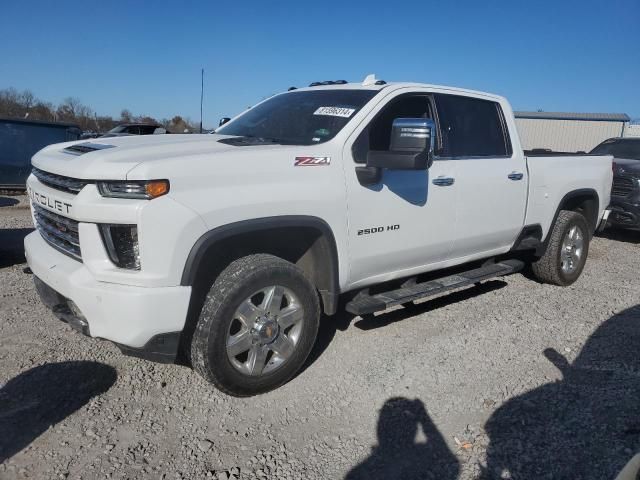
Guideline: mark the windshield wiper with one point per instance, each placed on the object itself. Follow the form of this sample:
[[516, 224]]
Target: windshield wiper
[[255, 140]]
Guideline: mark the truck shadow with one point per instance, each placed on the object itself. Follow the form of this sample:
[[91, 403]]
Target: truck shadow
[[329, 326], [12, 246], [398, 455], [44, 396], [8, 201], [585, 425]]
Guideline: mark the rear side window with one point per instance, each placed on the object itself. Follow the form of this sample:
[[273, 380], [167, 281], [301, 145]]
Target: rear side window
[[471, 127]]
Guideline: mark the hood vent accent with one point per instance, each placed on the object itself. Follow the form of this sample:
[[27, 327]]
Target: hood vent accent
[[82, 148]]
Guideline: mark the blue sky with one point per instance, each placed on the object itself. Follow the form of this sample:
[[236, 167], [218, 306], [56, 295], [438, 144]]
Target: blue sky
[[146, 56]]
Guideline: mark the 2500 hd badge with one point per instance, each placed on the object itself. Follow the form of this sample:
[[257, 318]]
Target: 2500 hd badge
[[368, 231], [47, 201]]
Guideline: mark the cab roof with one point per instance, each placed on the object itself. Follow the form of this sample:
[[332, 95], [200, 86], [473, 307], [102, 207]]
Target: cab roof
[[396, 86]]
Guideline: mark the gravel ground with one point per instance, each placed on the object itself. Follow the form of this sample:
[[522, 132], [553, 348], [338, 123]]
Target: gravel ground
[[512, 379]]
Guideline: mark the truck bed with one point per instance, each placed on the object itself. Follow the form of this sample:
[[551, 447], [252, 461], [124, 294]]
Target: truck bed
[[553, 174]]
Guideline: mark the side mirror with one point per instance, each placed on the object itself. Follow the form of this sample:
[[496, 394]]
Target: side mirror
[[223, 120], [412, 135], [411, 147]]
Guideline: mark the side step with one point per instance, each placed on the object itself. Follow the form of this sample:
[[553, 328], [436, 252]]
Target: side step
[[364, 303]]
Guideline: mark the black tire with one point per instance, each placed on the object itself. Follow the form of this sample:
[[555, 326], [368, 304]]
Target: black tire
[[548, 268], [235, 284]]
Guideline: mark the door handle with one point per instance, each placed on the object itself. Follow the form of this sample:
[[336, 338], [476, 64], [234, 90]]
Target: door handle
[[443, 181], [515, 176]]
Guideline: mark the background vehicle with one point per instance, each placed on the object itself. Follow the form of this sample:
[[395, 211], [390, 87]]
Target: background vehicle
[[20, 139], [135, 129], [226, 247], [625, 193]]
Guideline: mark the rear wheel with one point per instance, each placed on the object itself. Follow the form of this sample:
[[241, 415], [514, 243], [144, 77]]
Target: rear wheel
[[567, 250], [257, 326]]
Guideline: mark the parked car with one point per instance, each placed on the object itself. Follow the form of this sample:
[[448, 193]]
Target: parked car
[[227, 247], [625, 193], [20, 139], [135, 129]]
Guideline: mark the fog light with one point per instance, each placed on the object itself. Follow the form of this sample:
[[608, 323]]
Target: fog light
[[121, 242], [76, 311]]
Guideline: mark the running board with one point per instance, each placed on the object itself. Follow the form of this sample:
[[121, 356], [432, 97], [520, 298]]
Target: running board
[[364, 303]]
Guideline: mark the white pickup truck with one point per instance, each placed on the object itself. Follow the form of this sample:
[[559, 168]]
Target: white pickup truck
[[224, 249]]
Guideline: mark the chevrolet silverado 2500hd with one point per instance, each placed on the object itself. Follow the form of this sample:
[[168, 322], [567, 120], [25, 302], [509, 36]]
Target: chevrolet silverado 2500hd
[[226, 248]]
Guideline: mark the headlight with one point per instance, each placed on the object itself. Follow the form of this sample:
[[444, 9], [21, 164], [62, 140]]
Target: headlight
[[147, 189], [122, 245]]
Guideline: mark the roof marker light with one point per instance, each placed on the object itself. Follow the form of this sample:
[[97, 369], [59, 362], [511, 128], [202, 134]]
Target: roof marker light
[[369, 80]]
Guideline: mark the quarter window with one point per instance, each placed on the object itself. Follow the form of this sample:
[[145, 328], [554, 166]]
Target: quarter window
[[471, 127]]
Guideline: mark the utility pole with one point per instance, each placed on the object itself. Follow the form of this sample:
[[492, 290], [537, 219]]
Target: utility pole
[[201, 96]]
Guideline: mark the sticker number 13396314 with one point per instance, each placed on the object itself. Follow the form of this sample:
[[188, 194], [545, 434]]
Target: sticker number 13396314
[[335, 111]]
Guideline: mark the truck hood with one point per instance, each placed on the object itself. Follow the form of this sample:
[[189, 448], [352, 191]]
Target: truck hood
[[113, 158]]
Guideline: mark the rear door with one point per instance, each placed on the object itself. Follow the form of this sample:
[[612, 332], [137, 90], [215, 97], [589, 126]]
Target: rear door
[[491, 178]]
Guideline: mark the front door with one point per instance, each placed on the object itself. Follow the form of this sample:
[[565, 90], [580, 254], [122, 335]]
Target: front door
[[407, 221]]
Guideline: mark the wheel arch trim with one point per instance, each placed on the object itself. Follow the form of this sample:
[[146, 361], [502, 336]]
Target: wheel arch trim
[[203, 245], [574, 194]]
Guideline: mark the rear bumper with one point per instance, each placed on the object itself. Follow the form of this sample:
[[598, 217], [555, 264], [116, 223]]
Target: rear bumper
[[141, 320]]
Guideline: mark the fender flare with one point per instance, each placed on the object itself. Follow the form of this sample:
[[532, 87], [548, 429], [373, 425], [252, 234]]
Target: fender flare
[[581, 192], [210, 238]]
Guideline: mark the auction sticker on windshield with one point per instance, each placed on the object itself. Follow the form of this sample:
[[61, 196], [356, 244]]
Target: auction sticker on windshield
[[335, 111]]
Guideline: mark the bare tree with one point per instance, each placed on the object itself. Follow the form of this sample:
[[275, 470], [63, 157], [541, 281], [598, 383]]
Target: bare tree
[[16, 104], [125, 115]]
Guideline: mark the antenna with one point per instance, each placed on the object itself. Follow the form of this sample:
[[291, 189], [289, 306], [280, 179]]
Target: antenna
[[201, 96]]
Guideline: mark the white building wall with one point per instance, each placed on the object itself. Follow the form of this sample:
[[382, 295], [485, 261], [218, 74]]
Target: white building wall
[[565, 135], [632, 131]]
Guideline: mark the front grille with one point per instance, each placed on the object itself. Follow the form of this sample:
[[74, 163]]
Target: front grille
[[59, 182], [622, 186], [60, 232]]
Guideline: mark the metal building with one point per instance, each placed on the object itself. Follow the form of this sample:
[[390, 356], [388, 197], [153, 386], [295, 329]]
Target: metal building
[[568, 132], [632, 130]]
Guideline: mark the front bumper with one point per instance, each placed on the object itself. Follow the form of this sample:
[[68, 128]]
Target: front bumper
[[624, 214], [138, 319]]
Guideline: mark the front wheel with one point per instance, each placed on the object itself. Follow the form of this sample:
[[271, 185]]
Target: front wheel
[[567, 250], [257, 326]]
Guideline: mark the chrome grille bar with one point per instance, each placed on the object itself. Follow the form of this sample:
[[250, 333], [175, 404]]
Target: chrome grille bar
[[59, 182], [60, 232]]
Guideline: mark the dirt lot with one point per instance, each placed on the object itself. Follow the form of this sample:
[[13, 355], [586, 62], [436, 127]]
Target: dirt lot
[[511, 379]]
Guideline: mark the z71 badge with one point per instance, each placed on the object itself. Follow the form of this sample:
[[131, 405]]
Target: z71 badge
[[312, 161]]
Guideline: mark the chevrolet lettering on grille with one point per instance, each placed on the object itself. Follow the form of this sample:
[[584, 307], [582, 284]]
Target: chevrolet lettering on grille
[[48, 201]]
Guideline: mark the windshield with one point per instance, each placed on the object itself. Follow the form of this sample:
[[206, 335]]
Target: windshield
[[118, 129], [300, 118], [619, 149]]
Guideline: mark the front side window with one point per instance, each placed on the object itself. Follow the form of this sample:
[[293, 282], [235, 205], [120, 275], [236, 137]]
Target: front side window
[[147, 129], [471, 127], [299, 118], [377, 135]]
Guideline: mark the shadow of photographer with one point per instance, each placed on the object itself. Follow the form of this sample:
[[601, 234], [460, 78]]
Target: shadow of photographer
[[398, 455], [585, 425]]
